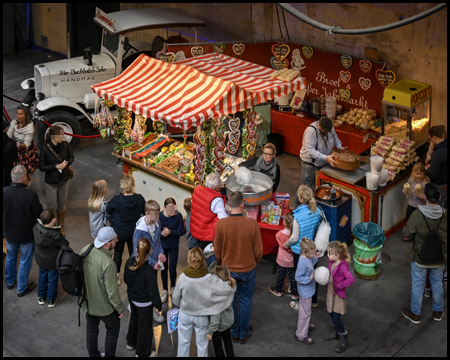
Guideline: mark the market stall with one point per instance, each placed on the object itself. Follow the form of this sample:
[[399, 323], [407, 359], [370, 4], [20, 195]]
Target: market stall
[[201, 92]]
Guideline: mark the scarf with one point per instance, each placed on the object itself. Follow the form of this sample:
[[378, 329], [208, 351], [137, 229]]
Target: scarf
[[196, 273], [269, 170]]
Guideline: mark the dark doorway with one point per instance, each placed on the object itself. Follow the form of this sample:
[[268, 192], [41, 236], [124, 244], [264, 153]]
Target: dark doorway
[[83, 30]]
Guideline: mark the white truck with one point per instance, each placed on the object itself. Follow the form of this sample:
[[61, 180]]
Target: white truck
[[60, 91]]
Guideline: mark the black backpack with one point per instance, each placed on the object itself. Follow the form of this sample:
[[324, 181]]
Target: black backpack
[[433, 248], [70, 267]]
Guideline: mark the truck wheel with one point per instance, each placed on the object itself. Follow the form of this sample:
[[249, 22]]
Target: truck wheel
[[65, 120]]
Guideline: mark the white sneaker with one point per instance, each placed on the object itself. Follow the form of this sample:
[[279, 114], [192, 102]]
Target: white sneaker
[[119, 281], [294, 305], [164, 296], [158, 317]]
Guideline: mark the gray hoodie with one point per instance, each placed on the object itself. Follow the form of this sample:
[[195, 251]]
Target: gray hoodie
[[431, 211]]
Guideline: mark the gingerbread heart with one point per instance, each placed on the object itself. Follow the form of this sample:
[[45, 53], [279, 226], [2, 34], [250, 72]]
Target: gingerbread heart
[[197, 51], [251, 149], [280, 51], [365, 65], [345, 76], [279, 64], [252, 133], [220, 130], [233, 124], [346, 60], [308, 51], [251, 116], [250, 139], [220, 143], [251, 126], [385, 78], [167, 57], [232, 148], [365, 83], [219, 153], [344, 94], [219, 48], [219, 166], [238, 49], [199, 138], [234, 137]]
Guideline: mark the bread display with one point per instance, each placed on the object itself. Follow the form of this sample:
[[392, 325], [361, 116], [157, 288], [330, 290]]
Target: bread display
[[360, 117]]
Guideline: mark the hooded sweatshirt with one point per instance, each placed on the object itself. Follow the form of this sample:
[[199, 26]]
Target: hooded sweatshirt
[[153, 234], [48, 243], [417, 230], [123, 212], [142, 284]]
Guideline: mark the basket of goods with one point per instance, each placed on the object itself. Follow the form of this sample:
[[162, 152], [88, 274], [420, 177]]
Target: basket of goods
[[346, 159], [362, 118]]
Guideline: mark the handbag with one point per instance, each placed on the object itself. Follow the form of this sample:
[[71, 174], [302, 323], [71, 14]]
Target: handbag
[[69, 168]]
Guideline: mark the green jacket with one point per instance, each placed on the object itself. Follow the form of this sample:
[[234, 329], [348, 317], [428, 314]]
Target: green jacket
[[100, 276], [222, 321], [416, 230]]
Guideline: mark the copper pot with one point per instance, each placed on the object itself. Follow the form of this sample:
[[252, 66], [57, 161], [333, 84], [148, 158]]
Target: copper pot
[[323, 192]]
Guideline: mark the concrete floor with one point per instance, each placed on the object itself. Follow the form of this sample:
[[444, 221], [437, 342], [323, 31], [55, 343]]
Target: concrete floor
[[374, 321]]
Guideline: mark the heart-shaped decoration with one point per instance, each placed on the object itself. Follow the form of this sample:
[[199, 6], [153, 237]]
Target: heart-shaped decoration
[[233, 124], [103, 133], [252, 133], [200, 174], [220, 130], [200, 138], [197, 51], [251, 116], [280, 51], [238, 49], [365, 65], [308, 51], [218, 153], [345, 76], [346, 60], [234, 137], [232, 148], [219, 165], [365, 83], [251, 126], [199, 164], [167, 57], [251, 149], [220, 143], [344, 94], [277, 64], [219, 48], [251, 139], [385, 78]]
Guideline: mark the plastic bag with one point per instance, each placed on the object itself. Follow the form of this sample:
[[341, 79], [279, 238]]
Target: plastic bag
[[370, 233]]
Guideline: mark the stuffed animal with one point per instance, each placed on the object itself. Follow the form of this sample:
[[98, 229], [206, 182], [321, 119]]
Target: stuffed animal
[[322, 275]]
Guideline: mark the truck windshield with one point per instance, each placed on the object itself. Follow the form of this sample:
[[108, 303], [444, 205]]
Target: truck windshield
[[111, 42]]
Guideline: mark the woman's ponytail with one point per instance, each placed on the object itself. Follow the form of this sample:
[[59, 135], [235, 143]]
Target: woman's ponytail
[[143, 248]]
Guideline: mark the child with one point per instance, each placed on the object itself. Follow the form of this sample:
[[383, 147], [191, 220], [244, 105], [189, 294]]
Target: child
[[97, 207], [219, 325], [210, 257], [418, 178], [340, 279], [48, 239], [285, 260], [306, 289], [143, 296], [149, 227], [191, 241], [172, 226]]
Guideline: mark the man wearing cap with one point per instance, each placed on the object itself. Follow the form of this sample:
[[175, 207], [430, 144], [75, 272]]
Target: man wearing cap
[[319, 139], [103, 301], [426, 217]]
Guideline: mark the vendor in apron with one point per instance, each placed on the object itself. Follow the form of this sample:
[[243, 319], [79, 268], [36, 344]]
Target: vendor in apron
[[319, 139]]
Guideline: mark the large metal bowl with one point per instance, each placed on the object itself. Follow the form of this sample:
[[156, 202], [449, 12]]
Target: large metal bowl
[[323, 192], [262, 184]]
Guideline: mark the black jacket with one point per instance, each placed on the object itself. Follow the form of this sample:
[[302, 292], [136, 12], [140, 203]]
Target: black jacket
[[48, 242], [142, 284], [21, 208], [10, 153], [438, 165], [48, 162], [123, 212]]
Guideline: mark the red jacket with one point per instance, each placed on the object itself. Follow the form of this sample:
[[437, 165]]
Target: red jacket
[[342, 278], [203, 220]]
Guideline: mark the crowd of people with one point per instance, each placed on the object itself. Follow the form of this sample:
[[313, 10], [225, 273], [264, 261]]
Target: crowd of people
[[214, 292]]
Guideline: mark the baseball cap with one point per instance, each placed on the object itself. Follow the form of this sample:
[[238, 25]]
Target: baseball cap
[[105, 234], [432, 193]]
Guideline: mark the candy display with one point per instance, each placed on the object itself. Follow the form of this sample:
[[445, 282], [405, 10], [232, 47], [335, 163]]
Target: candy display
[[271, 213]]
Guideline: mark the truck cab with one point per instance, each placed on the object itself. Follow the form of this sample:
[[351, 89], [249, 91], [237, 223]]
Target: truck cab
[[60, 92]]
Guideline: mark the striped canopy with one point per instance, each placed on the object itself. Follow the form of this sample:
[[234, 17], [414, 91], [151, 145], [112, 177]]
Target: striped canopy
[[188, 92]]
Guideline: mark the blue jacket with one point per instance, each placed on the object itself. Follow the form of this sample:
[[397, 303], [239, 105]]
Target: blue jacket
[[307, 222], [305, 286], [176, 226], [141, 231]]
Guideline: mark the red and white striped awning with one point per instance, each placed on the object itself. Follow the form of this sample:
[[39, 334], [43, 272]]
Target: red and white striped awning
[[188, 92]]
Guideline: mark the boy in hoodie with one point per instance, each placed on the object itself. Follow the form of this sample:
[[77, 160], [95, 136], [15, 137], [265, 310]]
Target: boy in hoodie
[[149, 227], [48, 239], [416, 229]]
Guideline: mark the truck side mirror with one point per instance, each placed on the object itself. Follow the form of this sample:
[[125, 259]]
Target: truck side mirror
[[88, 55]]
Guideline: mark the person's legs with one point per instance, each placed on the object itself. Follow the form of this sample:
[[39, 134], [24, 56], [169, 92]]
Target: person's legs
[[43, 283], [308, 176], [436, 276], [12, 252], [51, 194], [296, 259], [280, 279], [304, 317], [292, 282], [129, 242], [144, 331], [247, 288], [112, 325], [61, 195], [418, 275], [226, 337], [185, 325], [235, 327], [336, 319], [118, 250], [26, 260], [409, 211], [92, 323], [165, 271], [217, 344], [53, 277], [314, 298], [201, 324], [173, 261], [132, 335]]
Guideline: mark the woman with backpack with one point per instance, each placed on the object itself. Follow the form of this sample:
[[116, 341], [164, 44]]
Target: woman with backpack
[[55, 158]]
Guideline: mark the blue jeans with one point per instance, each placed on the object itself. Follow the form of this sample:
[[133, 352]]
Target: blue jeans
[[245, 285], [418, 275], [26, 260], [48, 284]]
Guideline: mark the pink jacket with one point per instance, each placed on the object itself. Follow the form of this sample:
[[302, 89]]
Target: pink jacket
[[285, 258], [342, 278]]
